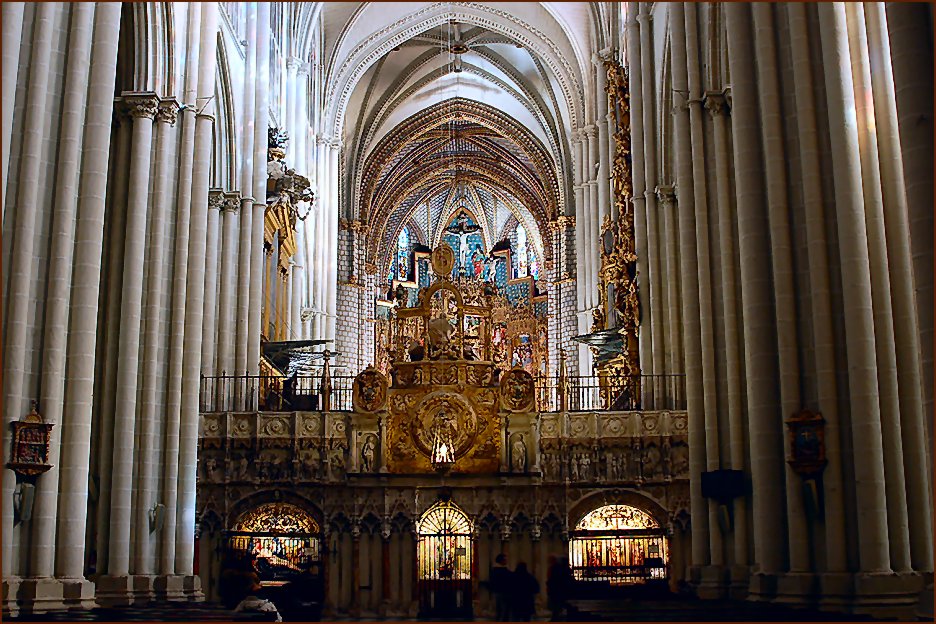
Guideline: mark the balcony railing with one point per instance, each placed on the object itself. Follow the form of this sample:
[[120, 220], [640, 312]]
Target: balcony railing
[[248, 393]]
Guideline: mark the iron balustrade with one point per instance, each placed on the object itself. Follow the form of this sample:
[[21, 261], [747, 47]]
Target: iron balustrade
[[575, 393], [268, 393]]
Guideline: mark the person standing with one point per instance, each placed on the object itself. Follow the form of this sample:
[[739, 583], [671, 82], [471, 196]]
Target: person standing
[[499, 582], [525, 588], [558, 586]]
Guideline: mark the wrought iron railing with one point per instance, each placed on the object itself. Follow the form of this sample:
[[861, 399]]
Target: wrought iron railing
[[227, 393], [266, 393]]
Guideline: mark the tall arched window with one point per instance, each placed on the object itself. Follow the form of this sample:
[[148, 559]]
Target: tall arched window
[[522, 253], [283, 538], [403, 255]]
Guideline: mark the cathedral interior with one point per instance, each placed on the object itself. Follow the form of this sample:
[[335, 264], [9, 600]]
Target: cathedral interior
[[364, 295]]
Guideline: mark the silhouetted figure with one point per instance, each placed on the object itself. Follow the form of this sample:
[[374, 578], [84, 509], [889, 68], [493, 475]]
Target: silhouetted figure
[[559, 582], [302, 597], [289, 391], [523, 594], [500, 582]]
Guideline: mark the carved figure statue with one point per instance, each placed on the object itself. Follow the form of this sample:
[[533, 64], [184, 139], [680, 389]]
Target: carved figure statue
[[575, 467], [243, 467], [519, 454], [585, 470], [368, 454], [440, 337]]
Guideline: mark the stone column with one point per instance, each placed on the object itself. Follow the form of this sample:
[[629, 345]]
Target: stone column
[[177, 341], [194, 302], [592, 245], [666, 196], [58, 293], [332, 242], [230, 216], [355, 609], [20, 283], [781, 254], [262, 108], [910, 38], [83, 313], [689, 283], [906, 326], [820, 292], [143, 108], [898, 530], [604, 177], [147, 478], [12, 35], [212, 252], [718, 107], [639, 178], [714, 578], [874, 556]]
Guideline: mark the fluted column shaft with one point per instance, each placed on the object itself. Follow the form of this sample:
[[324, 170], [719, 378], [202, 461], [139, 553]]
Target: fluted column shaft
[[179, 277], [262, 108], [856, 292], [704, 274], [212, 254], [886, 356], [332, 259], [911, 56], [594, 215], [586, 216], [645, 346], [689, 285], [58, 293], [778, 210], [718, 107], [765, 424], [143, 109], [906, 326], [20, 283], [12, 35], [820, 293], [194, 299], [604, 184], [147, 479], [85, 286]]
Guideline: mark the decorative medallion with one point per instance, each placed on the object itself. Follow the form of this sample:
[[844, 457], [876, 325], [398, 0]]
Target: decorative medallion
[[447, 416], [443, 260], [370, 390], [517, 391]]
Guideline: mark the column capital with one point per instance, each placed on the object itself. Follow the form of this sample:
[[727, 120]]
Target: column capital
[[590, 131], [716, 103], [231, 203], [215, 199], [666, 194], [600, 57], [168, 111], [141, 105]]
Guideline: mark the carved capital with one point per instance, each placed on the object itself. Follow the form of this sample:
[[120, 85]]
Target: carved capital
[[142, 105], [370, 268], [590, 131], [215, 199], [666, 195], [231, 203], [168, 111], [716, 103]]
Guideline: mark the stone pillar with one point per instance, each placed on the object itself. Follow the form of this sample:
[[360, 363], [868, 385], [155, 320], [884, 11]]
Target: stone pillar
[[83, 314], [718, 107], [797, 584], [147, 477], [355, 610], [604, 153], [332, 242], [58, 294], [216, 201], [874, 556], [194, 306], [177, 315], [229, 250], [20, 283], [906, 326], [143, 108], [819, 294], [689, 284], [12, 35]]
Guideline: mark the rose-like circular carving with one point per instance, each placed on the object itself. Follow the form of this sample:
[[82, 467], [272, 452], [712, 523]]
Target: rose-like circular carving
[[338, 426], [613, 426], [275, 427], [517, 391], [578, 425], [212, 425], [448, 410], [650, 422], [370, 390], [241, 427], [550, 428]]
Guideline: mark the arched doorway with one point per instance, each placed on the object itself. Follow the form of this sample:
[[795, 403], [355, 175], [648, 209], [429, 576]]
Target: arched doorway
[[619, 545], [444, 561], [282, 538]]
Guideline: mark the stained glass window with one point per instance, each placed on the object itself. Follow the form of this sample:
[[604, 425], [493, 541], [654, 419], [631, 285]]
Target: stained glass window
[[618, 544], [403, 254], [277, 518], [616, 518], [522, 253], [444, 548]]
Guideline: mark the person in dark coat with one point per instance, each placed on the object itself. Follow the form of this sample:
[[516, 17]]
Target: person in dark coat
[[559, 581], [523, 596], [499, 582]]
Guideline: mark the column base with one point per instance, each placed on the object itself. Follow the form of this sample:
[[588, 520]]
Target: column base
[[713, 582], [191, 587], [797, 589], [122, 591], [10, 587], [837, 590], [41, 595], [169, 587], [887, 596], [763, 587], [738, 586]]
